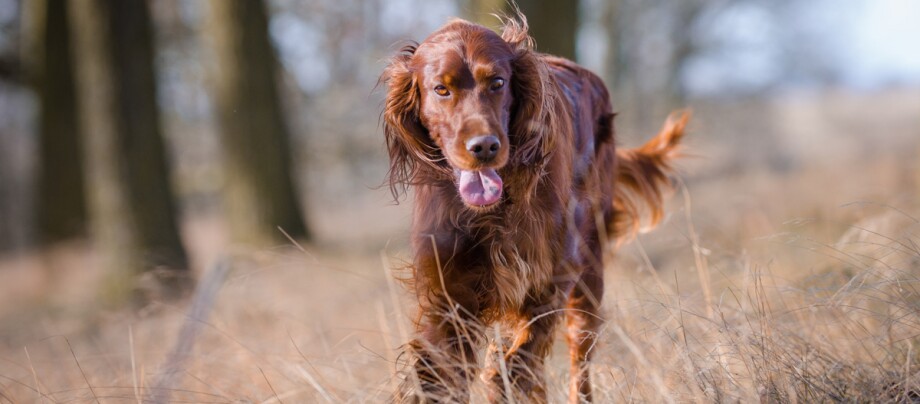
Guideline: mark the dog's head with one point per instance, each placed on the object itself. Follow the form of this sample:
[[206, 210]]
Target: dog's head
[[460, 104]]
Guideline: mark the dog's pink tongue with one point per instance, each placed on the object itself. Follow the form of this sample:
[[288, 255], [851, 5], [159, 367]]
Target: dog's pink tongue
[[480, 188]]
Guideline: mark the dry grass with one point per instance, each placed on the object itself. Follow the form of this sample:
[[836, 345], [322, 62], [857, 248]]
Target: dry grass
[[840, 330], [764, 284], [287, 326]]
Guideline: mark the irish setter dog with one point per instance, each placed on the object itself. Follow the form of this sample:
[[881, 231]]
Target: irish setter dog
[[517, 184]]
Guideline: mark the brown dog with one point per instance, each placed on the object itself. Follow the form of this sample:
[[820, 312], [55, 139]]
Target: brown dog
[[517, 182]]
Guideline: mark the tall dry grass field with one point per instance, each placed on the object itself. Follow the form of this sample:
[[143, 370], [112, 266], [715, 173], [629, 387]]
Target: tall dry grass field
[[787, 271]]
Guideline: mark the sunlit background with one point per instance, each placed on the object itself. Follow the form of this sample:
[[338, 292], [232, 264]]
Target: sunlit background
[[262, 149]]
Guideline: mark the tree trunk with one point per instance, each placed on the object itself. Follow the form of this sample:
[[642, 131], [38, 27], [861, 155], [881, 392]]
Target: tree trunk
[[481, 11], [682, 49], [260, 191], [132, 204], [614, 62], [553, 25], [61, 211]]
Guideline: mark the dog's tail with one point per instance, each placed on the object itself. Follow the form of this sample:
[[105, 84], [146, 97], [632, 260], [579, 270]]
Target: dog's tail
[[643, 175]]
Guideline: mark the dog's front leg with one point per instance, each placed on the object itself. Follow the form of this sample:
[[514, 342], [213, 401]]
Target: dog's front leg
[[443, 358], [518, 370], [443, 353]]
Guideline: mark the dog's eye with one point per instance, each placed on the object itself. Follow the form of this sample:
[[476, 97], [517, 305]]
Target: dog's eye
[[441, 90], [497, 83]]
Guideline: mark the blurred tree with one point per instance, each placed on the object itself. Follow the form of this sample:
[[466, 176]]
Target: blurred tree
[[61, 211], [260, 191], [644, 67], [481, 11], [553, 25], [134, 219], [684, 44], [607, 12]]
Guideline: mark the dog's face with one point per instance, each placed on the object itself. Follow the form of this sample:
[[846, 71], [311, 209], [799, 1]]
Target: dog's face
[[463, 76], [464, 103]]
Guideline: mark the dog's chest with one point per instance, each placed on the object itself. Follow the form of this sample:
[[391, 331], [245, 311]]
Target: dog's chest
[[516, 271], [518, 249]]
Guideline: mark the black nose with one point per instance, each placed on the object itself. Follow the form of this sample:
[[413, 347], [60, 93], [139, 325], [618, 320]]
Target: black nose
[[484, 148]]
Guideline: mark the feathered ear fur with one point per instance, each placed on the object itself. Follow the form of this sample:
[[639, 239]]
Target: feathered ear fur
[[533, 116], [531, 98], [408, 142]]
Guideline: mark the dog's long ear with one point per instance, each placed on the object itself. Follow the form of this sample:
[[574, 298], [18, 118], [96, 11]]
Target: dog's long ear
[[407, 140], [533, 110], [532, 107]]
